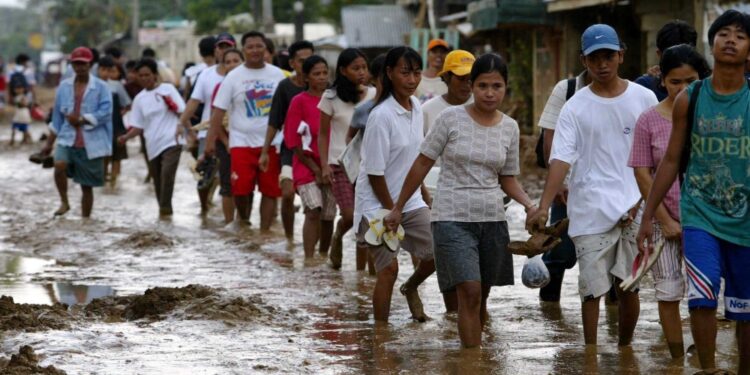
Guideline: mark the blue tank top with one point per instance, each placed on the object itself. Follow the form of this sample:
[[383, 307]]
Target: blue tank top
[[716, 189]]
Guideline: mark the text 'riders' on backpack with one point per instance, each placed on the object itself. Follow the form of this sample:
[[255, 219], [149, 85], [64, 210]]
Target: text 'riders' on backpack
[[540, 160]]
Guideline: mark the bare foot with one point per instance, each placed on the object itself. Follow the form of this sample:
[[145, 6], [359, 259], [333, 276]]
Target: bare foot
[[64, 208], [414, 302]]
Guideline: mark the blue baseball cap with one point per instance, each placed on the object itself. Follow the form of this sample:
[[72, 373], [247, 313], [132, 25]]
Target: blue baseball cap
[[599, 36]]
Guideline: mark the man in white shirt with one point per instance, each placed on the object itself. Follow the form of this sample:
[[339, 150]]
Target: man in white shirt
[[247, 92], [563, 256], [593, 138], [204, 88], [206, 48]]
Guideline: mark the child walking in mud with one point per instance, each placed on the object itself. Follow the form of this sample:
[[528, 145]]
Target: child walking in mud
[[593, 137], [21, 101], [714, 191]]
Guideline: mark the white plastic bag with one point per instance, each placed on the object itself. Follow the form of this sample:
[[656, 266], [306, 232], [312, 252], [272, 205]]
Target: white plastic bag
[[535, 273]]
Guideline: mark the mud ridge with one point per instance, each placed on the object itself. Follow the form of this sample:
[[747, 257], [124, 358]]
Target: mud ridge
[[27, 362], [145, 240], [32, 318], [191, 302]]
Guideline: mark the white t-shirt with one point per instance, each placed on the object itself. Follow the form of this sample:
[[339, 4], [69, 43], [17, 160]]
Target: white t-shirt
[[594, 135], [433, 107], [150, 113], [429, 88], [203, 91], [556, 100], [247, 94], [192, 72], [341, 117], [389, 147]]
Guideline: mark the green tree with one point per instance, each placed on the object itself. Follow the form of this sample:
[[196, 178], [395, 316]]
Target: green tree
[[85, 22], [208, 13]]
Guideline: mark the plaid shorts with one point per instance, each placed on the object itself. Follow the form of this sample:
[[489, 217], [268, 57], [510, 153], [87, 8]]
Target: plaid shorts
[[314, 196], [343, 190]]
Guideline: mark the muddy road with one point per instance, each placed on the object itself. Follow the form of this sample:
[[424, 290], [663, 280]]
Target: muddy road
[[191, 296]]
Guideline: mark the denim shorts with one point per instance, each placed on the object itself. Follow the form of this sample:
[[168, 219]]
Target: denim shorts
[[472, 252]]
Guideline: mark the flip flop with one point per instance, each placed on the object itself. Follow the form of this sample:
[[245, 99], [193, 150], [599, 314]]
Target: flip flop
[[392, 240], [641, 265], [374, 236], [377, 234]]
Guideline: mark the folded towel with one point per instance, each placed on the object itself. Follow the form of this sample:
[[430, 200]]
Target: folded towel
[[304, 131]]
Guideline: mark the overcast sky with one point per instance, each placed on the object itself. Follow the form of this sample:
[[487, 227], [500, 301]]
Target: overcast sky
[[11, 3]]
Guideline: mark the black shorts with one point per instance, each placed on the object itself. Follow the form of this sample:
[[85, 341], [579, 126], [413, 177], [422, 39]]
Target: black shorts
[[225, 170]]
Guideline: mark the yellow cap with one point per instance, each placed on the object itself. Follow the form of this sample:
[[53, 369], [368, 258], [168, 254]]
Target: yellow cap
[[458, 62]]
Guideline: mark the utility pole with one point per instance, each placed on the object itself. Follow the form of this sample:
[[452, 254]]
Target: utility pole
[[268, 17], [299, 20], [135, 49]]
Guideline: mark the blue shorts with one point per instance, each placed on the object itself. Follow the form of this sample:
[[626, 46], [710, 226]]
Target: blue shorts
[[21, 127], [709, 259]]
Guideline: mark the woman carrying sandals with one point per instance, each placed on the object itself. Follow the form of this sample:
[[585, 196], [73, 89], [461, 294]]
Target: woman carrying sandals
[[394, 127], [478, 145], [680, 65]]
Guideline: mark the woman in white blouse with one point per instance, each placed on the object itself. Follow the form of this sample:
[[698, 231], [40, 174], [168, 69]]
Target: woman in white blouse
[[394, 128], [155, 114]]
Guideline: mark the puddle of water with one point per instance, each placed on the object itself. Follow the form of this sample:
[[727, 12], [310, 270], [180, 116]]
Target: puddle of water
[[16, 280], [118, 247]]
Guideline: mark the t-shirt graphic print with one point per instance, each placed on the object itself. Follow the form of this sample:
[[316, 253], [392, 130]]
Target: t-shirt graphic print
[[258, 98], [246, 94], [716, 189]]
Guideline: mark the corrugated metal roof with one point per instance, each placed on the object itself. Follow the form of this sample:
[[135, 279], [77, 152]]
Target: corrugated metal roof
[[368, 26]]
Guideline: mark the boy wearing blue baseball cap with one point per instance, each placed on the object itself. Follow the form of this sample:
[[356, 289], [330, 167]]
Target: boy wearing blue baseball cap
[[592, 139]]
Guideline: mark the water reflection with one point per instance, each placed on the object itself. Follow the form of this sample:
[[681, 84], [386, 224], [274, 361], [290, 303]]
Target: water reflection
[[16, 273]]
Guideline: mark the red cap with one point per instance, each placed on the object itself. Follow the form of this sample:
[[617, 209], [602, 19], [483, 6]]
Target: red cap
[[82, 54]]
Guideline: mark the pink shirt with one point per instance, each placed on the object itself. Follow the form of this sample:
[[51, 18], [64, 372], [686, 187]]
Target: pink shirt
[[303, 107], [649, 146], [77, 100]]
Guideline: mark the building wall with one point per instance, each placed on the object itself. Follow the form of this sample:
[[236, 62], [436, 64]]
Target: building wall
[[653, 15]]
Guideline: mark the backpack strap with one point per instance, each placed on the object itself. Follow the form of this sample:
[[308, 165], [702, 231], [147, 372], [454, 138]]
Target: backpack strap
[[572, 88], [685, 158]]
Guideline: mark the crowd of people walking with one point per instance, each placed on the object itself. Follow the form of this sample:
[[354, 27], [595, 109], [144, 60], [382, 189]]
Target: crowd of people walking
[[360, 137]]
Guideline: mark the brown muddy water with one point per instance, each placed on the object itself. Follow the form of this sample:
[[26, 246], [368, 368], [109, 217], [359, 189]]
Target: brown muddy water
[[254, 304]]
